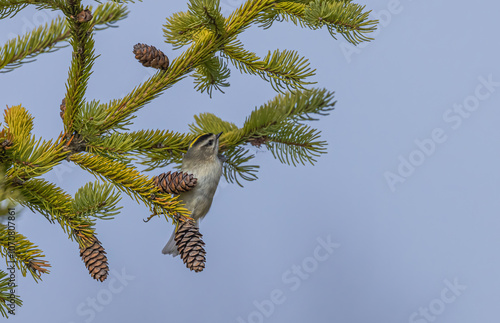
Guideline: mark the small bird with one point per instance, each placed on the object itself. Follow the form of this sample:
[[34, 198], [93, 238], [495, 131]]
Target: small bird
[[201, 160]]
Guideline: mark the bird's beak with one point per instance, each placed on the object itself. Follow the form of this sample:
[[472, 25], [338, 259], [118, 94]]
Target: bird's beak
[[218, 135]]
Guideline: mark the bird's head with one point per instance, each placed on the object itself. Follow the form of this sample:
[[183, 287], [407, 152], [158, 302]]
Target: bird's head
[[204, 146]]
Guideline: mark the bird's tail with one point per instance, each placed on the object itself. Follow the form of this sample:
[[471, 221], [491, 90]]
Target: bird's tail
[[171, 248]]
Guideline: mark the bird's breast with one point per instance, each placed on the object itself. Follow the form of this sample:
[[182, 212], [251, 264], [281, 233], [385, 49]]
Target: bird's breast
[[199, 200]]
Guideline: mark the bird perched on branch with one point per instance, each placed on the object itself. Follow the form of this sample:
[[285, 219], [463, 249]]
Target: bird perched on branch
[[201, 160]]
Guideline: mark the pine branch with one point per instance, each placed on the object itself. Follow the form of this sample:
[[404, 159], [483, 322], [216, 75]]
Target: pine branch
[[9, 8], [159, 141], [45, 39], [106, 15], [285, 11], [31, 157], [81, 64], [234, 168], [207, 13], [246, 15], [147, 145], [291, 107], [212, 74], [89, 121], [295, 143], [56, 205], [283, 69], [27, 157], [298, 106], [130, 181], [23, 49], [6, 286], [96, 200], [116, 146], [278, 124], [160, 148], [210, 123], [19, 122], [18, 251], [181, 29], [344, 17]]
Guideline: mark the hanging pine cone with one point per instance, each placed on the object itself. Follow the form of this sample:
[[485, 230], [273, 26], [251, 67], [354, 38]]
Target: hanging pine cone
[[63, 108], [95, 260], [174, 183], [190, 245], [149, 56]]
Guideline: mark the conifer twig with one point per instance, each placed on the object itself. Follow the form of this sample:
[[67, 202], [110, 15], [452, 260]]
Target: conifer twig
[[81, 63], [9, 8], [56, 205], [20, 251]]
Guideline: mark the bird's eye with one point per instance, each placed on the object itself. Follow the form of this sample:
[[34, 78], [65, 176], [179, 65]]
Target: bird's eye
[[210, 143]]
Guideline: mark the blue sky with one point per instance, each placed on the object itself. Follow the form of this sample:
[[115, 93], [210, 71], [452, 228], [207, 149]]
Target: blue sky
[[397, 223]]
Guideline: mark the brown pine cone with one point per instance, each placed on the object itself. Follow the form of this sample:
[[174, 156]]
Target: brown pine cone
[[63, 108], [84, 16], [6, 144], [95, 260], [174, 183], [149, 56], [190, 245]]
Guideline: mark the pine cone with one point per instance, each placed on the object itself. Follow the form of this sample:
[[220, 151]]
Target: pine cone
[[174, 183], [257, 142], [149, 56], [6, 144], [190, 245], [63, 108], [95, 260], [84, 16]]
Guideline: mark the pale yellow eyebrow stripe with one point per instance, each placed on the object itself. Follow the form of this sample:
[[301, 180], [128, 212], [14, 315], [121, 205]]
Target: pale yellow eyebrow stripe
[[195, 139]]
